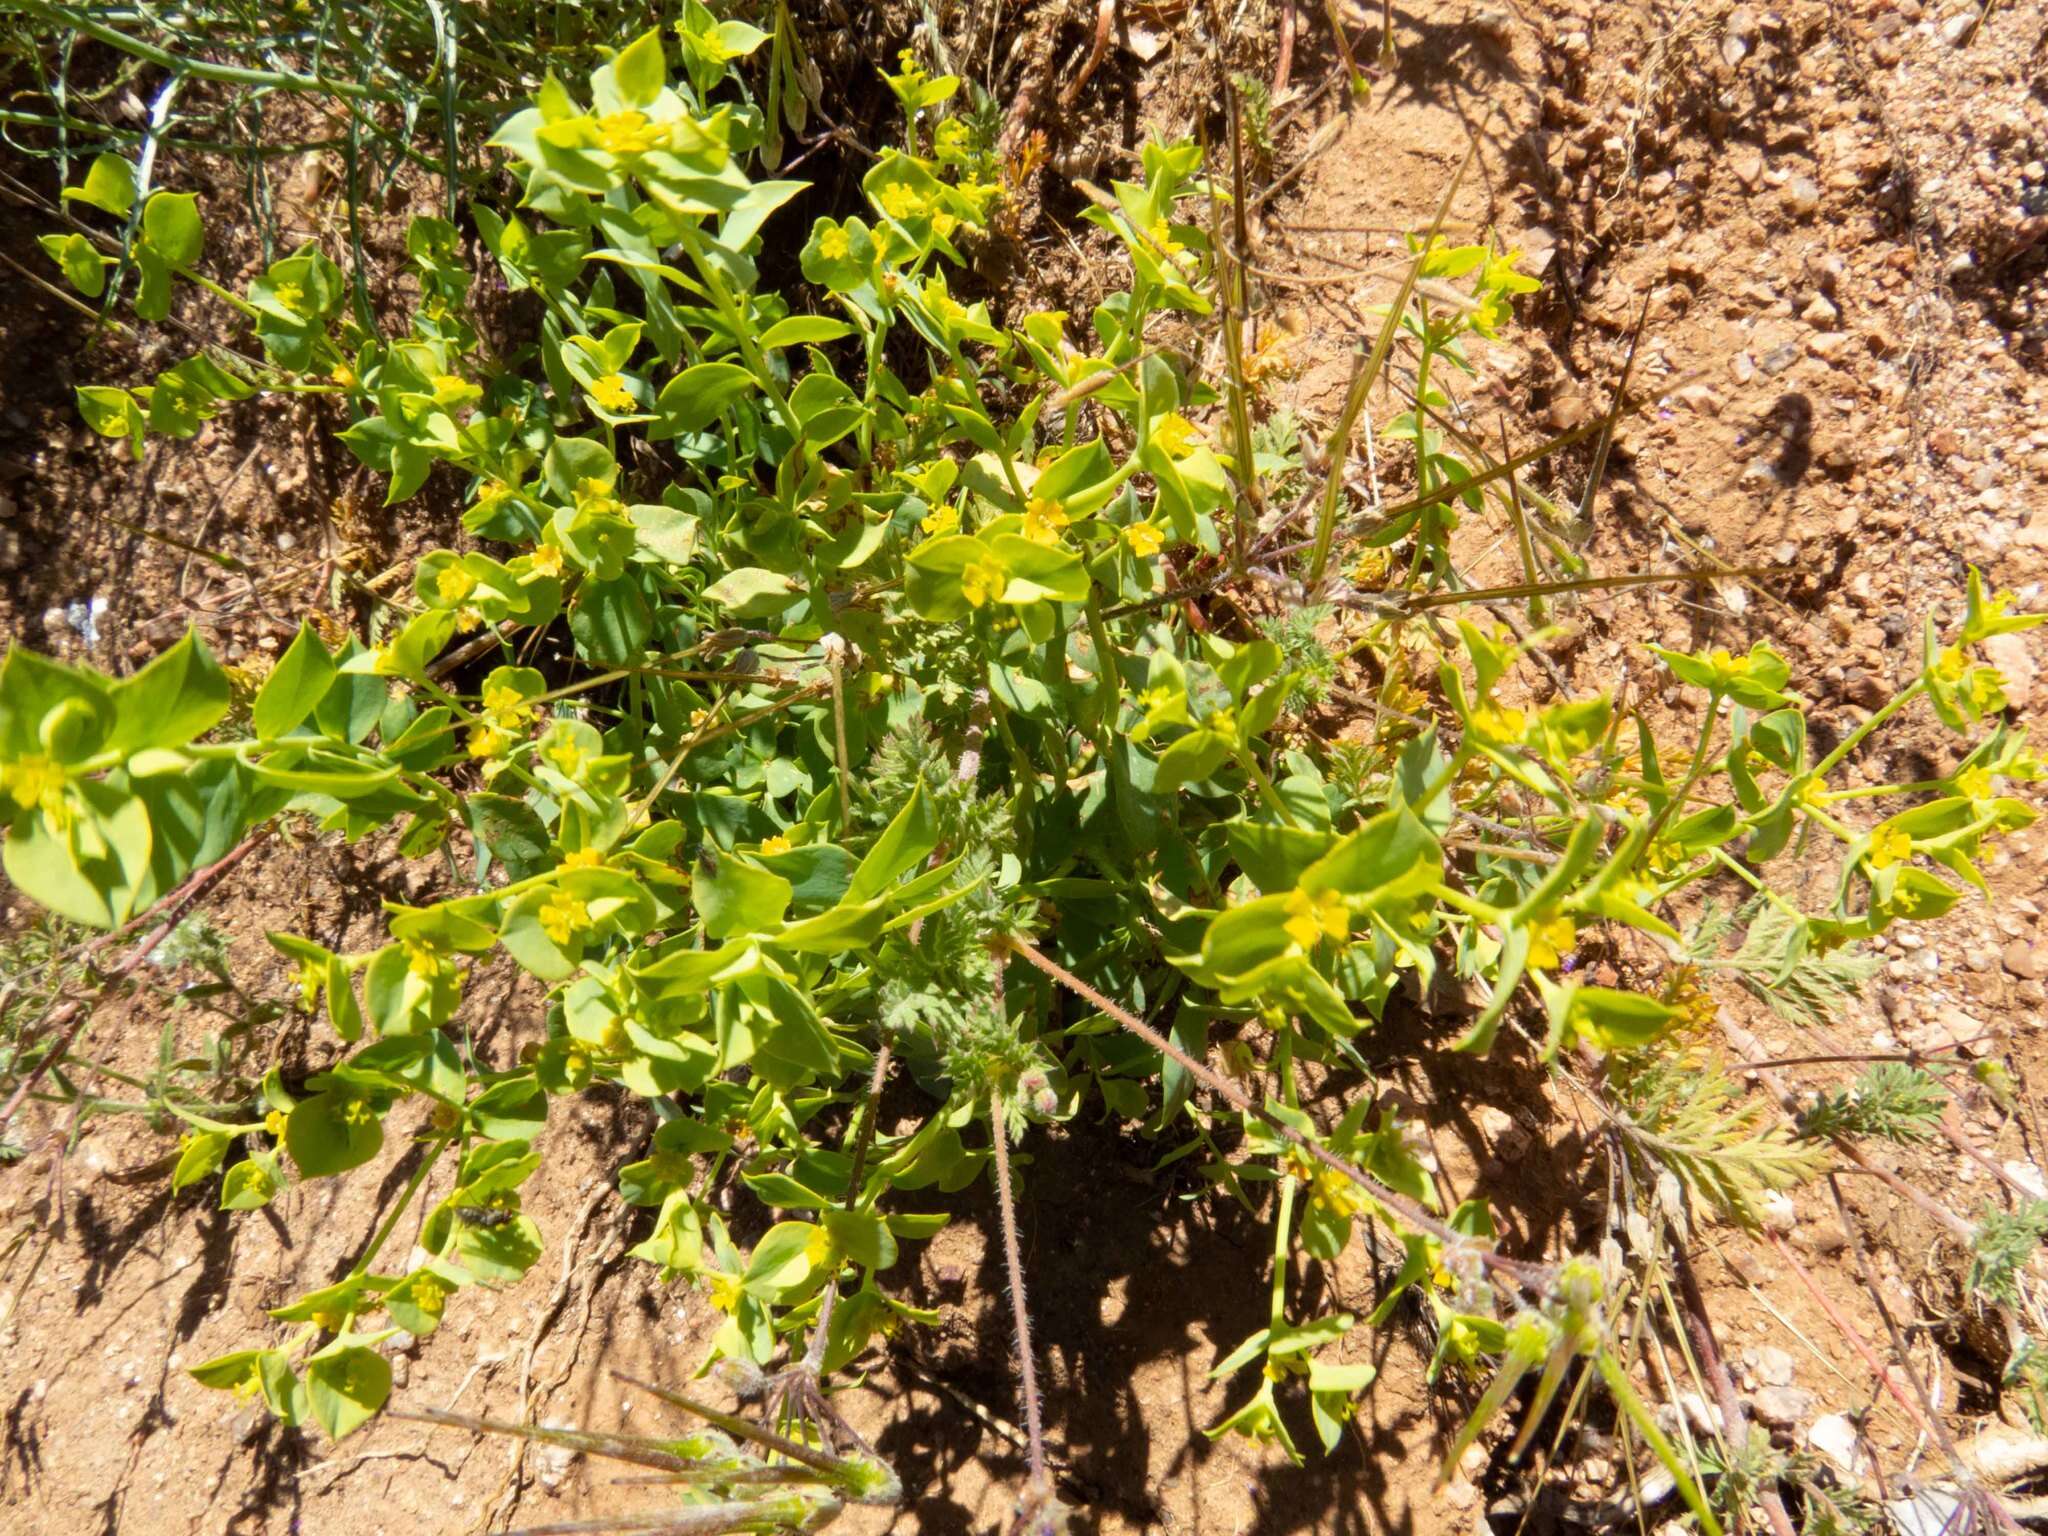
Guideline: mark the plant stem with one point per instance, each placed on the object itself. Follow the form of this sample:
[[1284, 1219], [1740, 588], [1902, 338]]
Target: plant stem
[[1020, 1312], [412, 1187], [1530, 1276], [75, 1015], [1855, 738]]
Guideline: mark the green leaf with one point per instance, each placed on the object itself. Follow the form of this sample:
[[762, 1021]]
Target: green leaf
[[170, 222], [499, 1255], [739, 899], [347, 1384], [81, 262], [109, 186], [111, 412], [202, 1153], [781, 1264], [752, 592], [697, 396], [181, 695], [802, 330], [251, 1184], [332, 1132], [910, 835], [640, 69], [862, 1236], [297, 683]]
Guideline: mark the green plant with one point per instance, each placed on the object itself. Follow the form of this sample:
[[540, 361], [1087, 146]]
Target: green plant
[[1891, 1100], [886, 739], [2005, 1241]]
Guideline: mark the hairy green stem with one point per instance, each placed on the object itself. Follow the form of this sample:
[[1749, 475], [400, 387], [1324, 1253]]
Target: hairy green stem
[[1020, 1312]]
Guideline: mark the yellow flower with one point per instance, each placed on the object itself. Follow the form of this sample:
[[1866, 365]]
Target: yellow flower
[[563, 916], [354, 1112], [1499, 723], [900, 200], [1162, 236], [818, 1248], [1145, 539], [1976, 782], [1550, 940], [776, 844], [941, 520], [982, 582], [698, 717], [423, 957], [430, 1294], [1370, 569], [1310, 919], [1949, 665], [487, 741], [35, 780], [583, 858], [833, 245], [594, 496], [291, 296], [562, 751], [454, 584], [506, 705], [629, 133], [611, 393], [343, 375], [943, 224], [726, 1294], [547, 560], [468, 619], [1985, 688], [1889, 845], [1043, 520], [1174, 433], [450, 388], [274, 1124]]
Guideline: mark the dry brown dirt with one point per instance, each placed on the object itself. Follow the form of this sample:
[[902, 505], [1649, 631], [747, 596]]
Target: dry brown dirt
[[1833, 213]]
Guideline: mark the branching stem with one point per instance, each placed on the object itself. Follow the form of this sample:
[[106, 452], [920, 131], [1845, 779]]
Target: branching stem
[[1534, 1277]]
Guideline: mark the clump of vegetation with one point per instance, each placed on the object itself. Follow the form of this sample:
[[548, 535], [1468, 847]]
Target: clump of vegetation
[[885, 735]]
